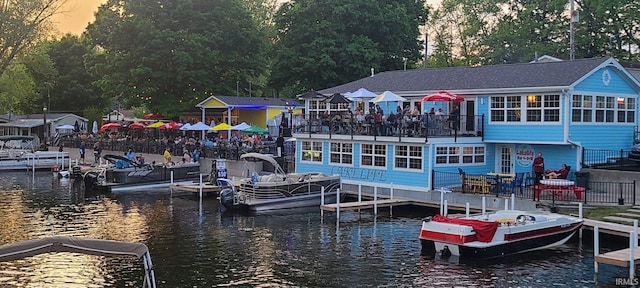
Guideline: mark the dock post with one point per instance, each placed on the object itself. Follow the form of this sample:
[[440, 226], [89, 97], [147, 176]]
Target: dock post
[[506, 204], [359, 192], [632, 251], [200, 186], [338, 204], [513, 201], [171, 176], [467, 209], [580, 216], [321, 202], [446, 208], [391, 196], [484, 205], [596, 248], [375, 200], [441, 202], [635, 232]]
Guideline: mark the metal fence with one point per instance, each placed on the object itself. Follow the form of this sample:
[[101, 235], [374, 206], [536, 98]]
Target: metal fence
[[609, 159], [622, 193]]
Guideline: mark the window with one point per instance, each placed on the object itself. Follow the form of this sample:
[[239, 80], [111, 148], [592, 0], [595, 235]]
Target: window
[[460, 154], [408, 157], [317, 107], [311, 151], [537, 108], [341, 153], [373, 155], [602, 109]]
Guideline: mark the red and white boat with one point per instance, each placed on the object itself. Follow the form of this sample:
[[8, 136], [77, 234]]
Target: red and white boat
[[496, 234]]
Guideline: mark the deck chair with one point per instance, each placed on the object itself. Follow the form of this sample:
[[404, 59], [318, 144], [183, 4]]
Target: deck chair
[[516, 182]]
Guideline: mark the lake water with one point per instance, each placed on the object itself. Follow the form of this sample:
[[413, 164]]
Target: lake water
[[192, 245]]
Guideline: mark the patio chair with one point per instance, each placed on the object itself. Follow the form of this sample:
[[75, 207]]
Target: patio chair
[[516, 182]]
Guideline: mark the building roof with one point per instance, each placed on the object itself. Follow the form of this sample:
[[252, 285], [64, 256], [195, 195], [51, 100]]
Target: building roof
[[248, 102], [635, 72], [494, 77]]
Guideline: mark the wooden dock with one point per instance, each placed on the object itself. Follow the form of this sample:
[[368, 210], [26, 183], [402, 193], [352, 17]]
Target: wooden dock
[[385, 201], [195, 188], [619, 257], [369, 204]]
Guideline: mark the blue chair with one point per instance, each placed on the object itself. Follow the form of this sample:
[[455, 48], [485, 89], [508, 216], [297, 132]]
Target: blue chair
[[517, 182]]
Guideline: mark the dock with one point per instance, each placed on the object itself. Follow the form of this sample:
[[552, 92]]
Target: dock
[[619, 257], [196, 187]]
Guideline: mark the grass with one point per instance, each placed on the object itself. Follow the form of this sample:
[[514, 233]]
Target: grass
[[598, 213]]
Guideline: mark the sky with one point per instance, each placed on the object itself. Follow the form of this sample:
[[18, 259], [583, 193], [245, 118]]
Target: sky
[[79, 13]]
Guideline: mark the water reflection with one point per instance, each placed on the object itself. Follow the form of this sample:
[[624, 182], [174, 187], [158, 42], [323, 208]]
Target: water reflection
[[193, 245]]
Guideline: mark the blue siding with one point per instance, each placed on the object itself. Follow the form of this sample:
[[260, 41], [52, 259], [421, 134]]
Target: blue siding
[[607, 137], [594, 83], [524, 133]]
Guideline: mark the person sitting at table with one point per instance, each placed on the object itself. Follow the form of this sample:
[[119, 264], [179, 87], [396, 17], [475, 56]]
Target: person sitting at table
[[560, 174]]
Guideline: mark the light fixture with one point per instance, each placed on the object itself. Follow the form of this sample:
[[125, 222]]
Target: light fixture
[[531, 98], [620, 101]]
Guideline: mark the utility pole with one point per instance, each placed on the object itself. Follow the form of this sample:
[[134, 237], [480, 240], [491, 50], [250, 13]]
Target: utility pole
[[573, 16]]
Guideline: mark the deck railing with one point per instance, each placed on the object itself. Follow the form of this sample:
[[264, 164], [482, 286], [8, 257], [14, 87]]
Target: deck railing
[[599, 158]]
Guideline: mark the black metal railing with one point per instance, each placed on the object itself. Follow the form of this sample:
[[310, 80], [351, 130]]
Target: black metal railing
[[597, 158], [424, 126]]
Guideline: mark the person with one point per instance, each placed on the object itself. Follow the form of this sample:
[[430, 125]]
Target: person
[[560, 174], [454, 117], [167, 155], [186, 156], [538, 168], [130, 155], [97, 152], [61, 148], [140, 159], [120, 163], [82, 151]]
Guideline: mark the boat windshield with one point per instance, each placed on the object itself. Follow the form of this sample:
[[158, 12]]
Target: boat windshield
[[17, 142]]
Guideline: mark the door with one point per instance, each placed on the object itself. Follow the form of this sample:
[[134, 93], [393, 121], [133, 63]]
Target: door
[[505, 154], [470, 123]]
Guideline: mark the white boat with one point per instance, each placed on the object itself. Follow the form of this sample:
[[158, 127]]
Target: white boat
[[279, 190], [496, 234], [28, 248], [18, 153]]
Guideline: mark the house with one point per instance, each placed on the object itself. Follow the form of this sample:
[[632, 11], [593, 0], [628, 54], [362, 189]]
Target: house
[[260, 111], [34, 124], [508, 114]]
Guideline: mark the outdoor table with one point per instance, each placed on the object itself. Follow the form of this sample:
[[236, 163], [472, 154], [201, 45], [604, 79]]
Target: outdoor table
[[559, 187]]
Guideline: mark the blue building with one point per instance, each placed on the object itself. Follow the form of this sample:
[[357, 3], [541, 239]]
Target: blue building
[[509, 113]]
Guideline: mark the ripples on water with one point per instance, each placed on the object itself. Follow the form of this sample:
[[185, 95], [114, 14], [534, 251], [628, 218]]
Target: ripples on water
[[194, 246]]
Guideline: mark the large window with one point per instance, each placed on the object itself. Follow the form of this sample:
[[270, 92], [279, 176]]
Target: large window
[[373, 155], [408, 157], [311, 151], [341, 153], [529, 108], [460, 154], [602, 109], [317, 107]]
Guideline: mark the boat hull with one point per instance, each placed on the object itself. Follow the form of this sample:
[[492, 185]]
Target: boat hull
[[39, 159], [139, 178]]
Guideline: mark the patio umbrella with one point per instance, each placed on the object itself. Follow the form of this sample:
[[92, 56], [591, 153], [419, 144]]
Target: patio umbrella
[[255, 129], [199, 127], [76, 127], [153, 116], [112, 125], [82, 126], [95, 127], [156, 125], [173, 125], [241, 126], [311, 95], [137, 125], [361, 94], [388, 96], [337, 98], [65, 127], [185, 127], [221, 127], [443, 96]]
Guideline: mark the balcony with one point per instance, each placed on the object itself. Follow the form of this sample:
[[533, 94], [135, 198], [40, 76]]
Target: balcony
[[341, 126]]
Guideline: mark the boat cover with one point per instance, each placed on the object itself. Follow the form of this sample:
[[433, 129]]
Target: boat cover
[[9, 252], [484, 229]]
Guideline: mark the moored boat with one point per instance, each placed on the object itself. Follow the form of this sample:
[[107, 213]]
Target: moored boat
[[131, 176], [496, 234], [279, 190], [18, 153]]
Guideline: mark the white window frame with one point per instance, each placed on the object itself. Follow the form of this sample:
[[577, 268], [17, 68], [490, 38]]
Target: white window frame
[[313, 149], [514, 109], [378, 154], [341, 152], [602, 109], [456, 155], [319, 106], [411, 152]]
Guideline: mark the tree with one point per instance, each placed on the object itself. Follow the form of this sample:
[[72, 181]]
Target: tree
[[172, 54], [23, 23], [74, 84], [323, 43]]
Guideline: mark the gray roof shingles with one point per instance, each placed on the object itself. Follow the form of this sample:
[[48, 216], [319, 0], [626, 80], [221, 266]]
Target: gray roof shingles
[[546, 74]]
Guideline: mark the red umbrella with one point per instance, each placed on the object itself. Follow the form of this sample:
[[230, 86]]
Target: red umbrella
[[443, 96], [137, 125], [173, 125], [153, 116], [111, 125]]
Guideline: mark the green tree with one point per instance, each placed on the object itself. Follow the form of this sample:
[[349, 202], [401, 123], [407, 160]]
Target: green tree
[[171, 54], [23, 23], [73, 90], [322, 43]]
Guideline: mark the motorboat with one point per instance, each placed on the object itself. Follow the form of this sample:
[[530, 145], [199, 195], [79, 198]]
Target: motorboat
[[276, 189], [17, 152], [28, 248], [124, 175], [495, 234]]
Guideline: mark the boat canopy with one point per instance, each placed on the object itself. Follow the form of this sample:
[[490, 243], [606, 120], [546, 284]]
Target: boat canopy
[[19, 250], [264, 157]]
